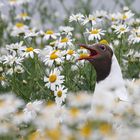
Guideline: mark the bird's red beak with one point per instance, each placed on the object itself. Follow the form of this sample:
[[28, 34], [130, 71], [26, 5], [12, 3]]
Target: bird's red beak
[[91, 55]]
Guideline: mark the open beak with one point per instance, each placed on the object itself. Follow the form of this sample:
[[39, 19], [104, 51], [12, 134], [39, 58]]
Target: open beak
[[91, 55]]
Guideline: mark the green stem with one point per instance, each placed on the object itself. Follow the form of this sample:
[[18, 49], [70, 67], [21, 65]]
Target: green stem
[[82, 32]]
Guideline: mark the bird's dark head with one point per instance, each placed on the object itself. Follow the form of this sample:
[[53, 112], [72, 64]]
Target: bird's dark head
[[100, 56], [97, 52]]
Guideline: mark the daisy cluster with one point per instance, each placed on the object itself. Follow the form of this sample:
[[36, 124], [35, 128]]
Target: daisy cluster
[[40, 120], [39, 67], [121, 23]]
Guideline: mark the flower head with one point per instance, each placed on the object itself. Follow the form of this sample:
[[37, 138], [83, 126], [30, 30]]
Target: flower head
[[121, 29], [60, 94], [54, 79], [76, 17], [30, 51], [95, 34]]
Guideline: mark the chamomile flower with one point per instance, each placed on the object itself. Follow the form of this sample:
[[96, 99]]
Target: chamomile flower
[[126, 15], [65, 42], [16, 69], [101, 14], [54, 79], [9, 103], [121, 29], [12, 60], [66, 30], [51, 56], [135, 36], [18, 29], [19, 117], [60, 94], [23, 16], [95, 33], [114, 17], [71, 54], [30, 52], [76, 17], [50, 34], [90, 19], [31, 109], [15, 48], [31, 33]]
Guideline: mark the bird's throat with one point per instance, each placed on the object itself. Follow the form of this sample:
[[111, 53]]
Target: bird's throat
[[102, 68]]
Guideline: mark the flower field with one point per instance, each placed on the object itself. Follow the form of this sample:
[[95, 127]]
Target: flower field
[[46, 87]]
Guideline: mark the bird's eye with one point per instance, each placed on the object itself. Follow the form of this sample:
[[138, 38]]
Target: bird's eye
[[103, 47]]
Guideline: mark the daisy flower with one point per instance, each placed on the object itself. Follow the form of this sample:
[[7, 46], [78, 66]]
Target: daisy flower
[[31, 33], [9, 103], [54, 79], [30, 51], [95, 34], [77, 17], [121, 29], [15, 48], [135, 36], [12, 60], [91, 18], [126, 15], [64, 42], [66, 30], [31, 109], [23, 16], [114, 17], [60, 94], [19, 28], [51, 56], [50, 34], [71, 54], [16, 69], [101, 14]]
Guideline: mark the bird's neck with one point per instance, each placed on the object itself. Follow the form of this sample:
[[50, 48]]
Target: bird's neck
[[113, 77], [102, 68]]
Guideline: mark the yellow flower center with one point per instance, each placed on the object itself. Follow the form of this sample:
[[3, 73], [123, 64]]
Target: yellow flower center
[[19, 25], [64, 40], [53, 56], [122, 29], [83, 55], [59, 93], [1, 103], [74, 112], [23, 15], [113, 19], [35, 136], [52, 78], [50, 103], [92, 18], [95, 31], [30, 49], [70, 52], [2, 78], [86, 130], [54, 134], [49, 32], [105, 128], [124, 17]]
